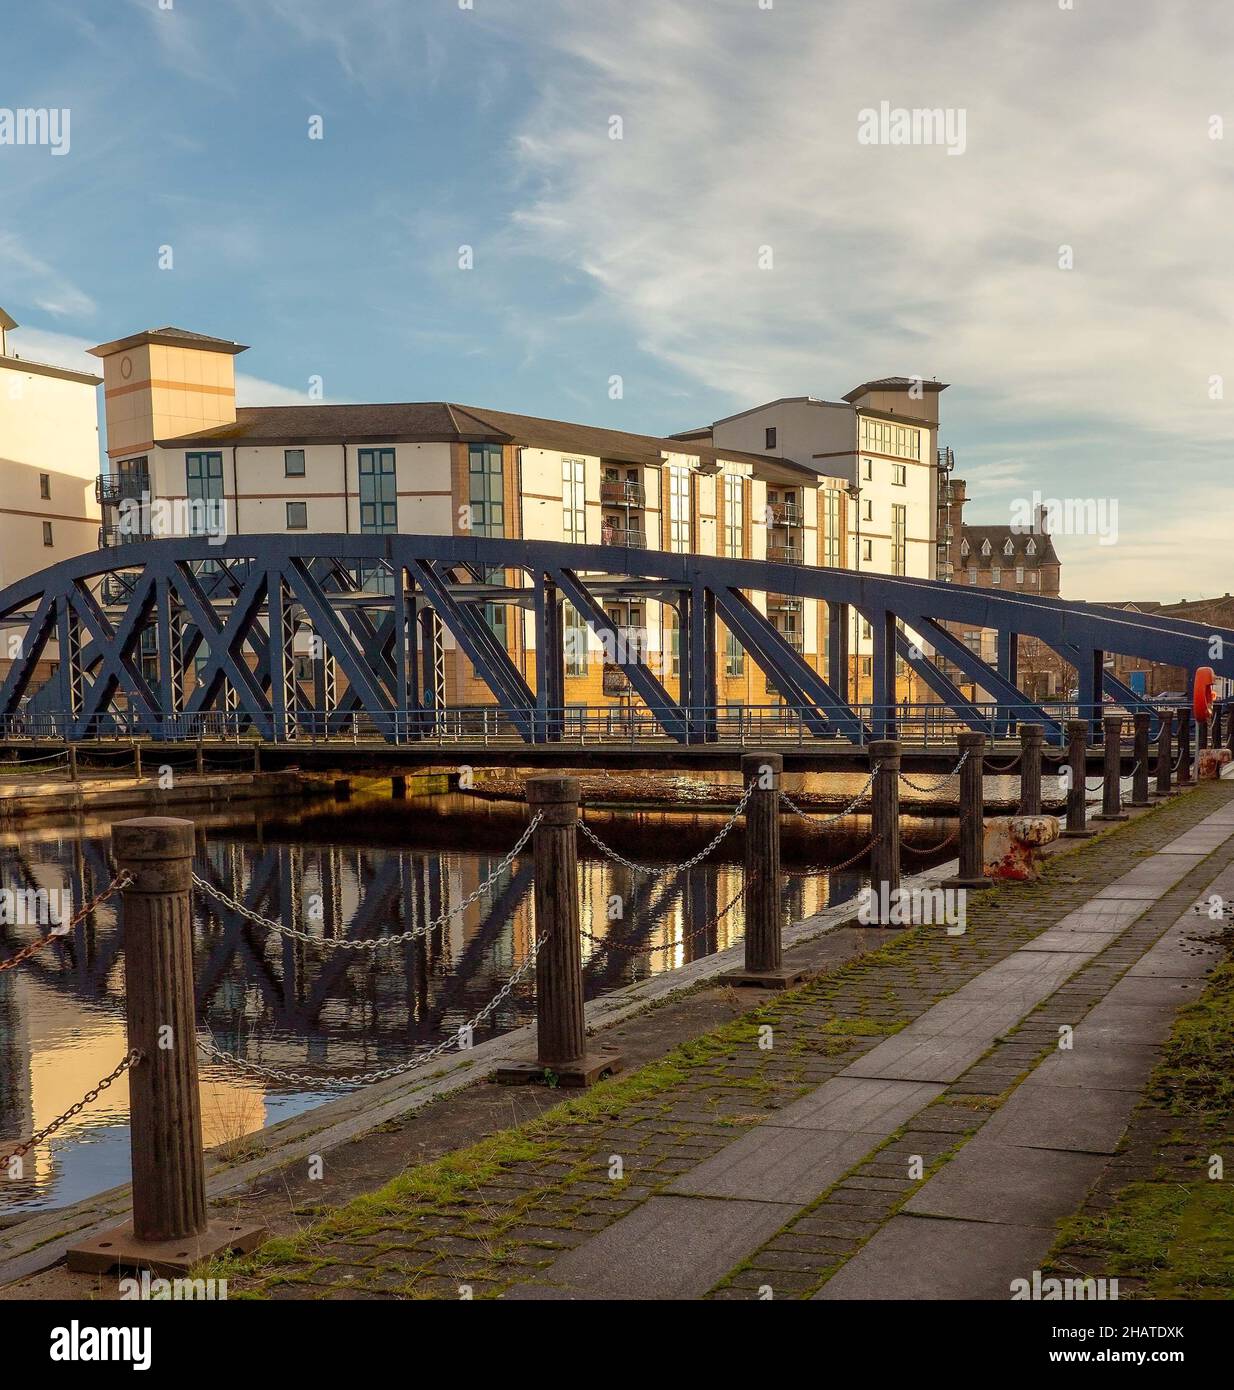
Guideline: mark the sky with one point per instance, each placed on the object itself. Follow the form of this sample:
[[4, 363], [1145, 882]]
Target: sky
[[1065, 266]]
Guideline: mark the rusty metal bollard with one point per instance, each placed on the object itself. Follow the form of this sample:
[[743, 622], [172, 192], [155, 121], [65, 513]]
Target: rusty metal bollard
[[170, 1229], [972, 814]]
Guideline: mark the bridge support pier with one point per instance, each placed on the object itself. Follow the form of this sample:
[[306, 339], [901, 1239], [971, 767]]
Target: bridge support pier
[[972, 815], [1032, 738], [1077, 764], [764, 959], [169, 1230], [562, 1054]]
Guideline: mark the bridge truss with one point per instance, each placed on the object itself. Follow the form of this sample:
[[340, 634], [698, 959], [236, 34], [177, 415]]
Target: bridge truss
[[184, 639]]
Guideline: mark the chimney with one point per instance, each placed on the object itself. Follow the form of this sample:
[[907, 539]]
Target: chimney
[[1041, 526], [163, 383]]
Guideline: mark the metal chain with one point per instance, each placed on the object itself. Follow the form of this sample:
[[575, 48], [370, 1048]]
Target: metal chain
[[63, 930], [917, 786], [371, 943], [421, 1059], [997, 769], [820, 821], [28, 762], [91, 1095], [591, 835], [604, 944], [932, 849], [845, 864]]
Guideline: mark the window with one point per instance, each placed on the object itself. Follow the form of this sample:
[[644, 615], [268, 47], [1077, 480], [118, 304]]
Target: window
[[899, 474], [770, 436], [867, 550], [885, 437], [1032, 576], [573, 501], [297, 516], [996, 575], [964, 549], [1031, 547], [899, 539], [304, 668], [378, 492], [1019, 574], [985, 547], [867, 510], [867, 469], [678, 509], [734, 657], [574, 638], [867, 632], [1008, 548], [45, 486], [47, 534], [972, 574], [204, 474], [293, 463], [734, 515], [831, 523], [486, 493]]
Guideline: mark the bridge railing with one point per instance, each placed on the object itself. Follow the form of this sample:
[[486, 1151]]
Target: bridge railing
[[915, 724]]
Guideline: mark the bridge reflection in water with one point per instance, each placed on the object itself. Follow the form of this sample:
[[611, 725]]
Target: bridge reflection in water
[[346, 871]]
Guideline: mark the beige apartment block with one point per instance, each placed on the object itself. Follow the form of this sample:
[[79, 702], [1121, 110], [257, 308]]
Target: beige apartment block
[[441, 468], [49, 458]]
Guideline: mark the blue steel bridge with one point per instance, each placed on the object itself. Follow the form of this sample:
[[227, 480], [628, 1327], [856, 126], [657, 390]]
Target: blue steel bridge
[[129, 624]]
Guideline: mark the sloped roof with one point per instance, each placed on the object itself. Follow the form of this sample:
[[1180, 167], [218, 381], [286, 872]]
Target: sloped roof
[[998, 536], [168, 336], [894, 383]]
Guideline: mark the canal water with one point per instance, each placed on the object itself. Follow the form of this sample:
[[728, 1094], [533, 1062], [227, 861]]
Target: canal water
[[362, 868]]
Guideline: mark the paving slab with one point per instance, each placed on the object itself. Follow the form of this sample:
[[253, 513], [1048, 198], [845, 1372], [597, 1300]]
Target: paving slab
[[1118, 1065], [1025, 975], [670, 1247], [959, 1018], [1113, 1023], [913, 1056], [773, 1164], [853, 1103], [1079, 1119], [1179, 958], [1088, 942], [992, 1181], [1159, 872], [1156, 991], [919, 1257], [1101, 915]]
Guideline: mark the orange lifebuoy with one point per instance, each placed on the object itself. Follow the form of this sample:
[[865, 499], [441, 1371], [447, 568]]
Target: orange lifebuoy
[[1205, 695]]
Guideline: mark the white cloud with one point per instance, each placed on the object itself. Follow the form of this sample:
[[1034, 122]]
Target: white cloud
[[1086, 128], [28, 277]]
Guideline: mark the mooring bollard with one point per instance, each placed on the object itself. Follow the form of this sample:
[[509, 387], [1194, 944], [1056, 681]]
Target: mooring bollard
[[1112, 773], [1139, 775], [1077, 764], [885, 830], [562, 1055], [1032, 737], [1184, 745], [972, 814], [137, 761], [201, 759], [257, 757], [764, 961], [169, 1229], [72, 752], [1165, 752]]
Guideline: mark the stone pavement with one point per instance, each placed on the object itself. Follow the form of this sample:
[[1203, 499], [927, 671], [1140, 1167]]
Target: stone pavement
[[912, 1124]]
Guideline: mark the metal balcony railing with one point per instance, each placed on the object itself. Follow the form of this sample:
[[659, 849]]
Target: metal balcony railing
[[616, 535], [786, 603], [616, 682], [785, 514], [626, 493], [784, 554]]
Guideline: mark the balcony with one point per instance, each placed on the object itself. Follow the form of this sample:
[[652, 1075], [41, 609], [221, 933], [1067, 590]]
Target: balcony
[[622, 493], [616, 682], [785, 603], [629, 540], [785, 514], [110, 489], [784, 554], [796, 640]]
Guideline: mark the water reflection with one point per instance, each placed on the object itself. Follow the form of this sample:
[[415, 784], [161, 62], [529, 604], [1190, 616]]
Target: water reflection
[[340, 870]]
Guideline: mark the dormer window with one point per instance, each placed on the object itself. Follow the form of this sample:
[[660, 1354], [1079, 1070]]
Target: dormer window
[[1008, 549], [1031, 547], [985, 548], [964, 549]]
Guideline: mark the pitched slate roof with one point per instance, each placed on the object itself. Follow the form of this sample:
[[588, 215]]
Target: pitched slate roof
[[171, 337], [998, 536], [445, 421]]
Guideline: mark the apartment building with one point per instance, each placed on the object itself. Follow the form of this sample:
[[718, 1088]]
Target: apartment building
[[49, 456], [880, 442], [175, 436]]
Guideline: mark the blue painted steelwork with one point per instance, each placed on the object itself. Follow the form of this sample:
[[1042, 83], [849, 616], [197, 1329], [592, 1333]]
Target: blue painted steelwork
[[376, 605]]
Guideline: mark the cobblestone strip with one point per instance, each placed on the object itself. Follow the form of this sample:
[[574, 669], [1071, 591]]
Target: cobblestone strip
[[489, 1218], [809, 1251]]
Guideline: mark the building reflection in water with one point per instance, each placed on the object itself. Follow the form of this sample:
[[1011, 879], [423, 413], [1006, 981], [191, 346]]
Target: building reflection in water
[[376, 869]]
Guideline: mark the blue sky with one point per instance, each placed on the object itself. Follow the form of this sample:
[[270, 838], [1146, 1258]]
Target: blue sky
[[1089, 127]]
